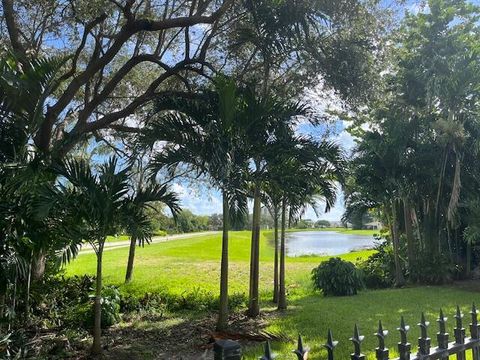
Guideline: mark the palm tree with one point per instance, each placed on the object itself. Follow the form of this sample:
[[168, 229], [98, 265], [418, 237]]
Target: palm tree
[[201, 135], [102, 204], [272, 198], [100, 200], [306, 171], [25, 85], [282, 159], [263, 120], [138, 226]]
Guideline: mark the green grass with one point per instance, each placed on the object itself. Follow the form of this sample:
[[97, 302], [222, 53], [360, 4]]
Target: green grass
[[186, 265], [314, 314], [183, 266], [118, 238]]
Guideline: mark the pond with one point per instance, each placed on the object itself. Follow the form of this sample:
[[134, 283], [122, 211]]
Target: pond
[[325, 243]]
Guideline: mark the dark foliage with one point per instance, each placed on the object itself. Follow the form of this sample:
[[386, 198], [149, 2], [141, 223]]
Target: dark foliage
[[379, 269], [432, 269]]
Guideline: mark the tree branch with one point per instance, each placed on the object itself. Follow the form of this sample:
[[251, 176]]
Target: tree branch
[[12, 28]]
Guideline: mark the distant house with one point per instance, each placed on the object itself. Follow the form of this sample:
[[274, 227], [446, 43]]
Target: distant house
[[374, 225]]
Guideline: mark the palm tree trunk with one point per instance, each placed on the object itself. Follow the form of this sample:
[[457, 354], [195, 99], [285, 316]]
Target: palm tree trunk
[[399, 279], [39, 265], [223, 311], [275, 265], [282, 296], [131, 259], [253, 304], [29, 282], [407, 214], [14, 299], [97, 328]]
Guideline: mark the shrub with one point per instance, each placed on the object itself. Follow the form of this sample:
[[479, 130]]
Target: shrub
[[336, 277], [82, 314], [432, 269], [54, 300], [379, 269], [162, 301], [110, 306], [159, 233]]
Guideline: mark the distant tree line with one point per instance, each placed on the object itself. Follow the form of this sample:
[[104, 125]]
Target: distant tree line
[[185, 222]]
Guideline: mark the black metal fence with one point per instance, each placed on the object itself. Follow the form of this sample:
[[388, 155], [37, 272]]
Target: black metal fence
[[459, 345]]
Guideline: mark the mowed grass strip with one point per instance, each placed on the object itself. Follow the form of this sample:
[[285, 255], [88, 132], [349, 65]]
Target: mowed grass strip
[[184, 265]]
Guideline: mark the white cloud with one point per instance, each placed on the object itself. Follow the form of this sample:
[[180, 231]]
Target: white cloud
[[200, 201], [346, 141]]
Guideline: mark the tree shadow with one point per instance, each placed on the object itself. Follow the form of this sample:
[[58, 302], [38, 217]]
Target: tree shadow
[[313, 315]]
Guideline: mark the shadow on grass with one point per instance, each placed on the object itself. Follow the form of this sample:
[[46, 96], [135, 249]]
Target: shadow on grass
[[313, 314]]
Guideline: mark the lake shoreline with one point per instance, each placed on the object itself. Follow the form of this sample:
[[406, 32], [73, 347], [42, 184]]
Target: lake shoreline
[[327, 242], [339, 230]]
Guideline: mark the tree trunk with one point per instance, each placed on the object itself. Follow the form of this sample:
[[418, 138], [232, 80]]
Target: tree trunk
[[97, 328], [399, 279], [275, 265], [14, 300], [282, 296], [407, 214], [131, 259], [2, 308], [253, 304], [39, 265], [27, 296], [223, 311]]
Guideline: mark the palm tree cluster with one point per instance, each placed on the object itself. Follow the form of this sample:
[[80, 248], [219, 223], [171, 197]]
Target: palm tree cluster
[[50, 206], [417, 160], [246, 145]]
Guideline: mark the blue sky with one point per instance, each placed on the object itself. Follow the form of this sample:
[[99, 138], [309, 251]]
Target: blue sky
[[204, 201]]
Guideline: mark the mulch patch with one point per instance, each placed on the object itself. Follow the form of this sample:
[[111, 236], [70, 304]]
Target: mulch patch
[[185, 340]]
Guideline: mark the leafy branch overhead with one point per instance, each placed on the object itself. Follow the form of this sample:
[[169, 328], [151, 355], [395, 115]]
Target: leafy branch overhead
[[120, 56]]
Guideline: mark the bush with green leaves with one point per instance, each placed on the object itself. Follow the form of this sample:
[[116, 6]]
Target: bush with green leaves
[[337, 277], [379, 269], [110, 306], [82, 315], [432, 269]]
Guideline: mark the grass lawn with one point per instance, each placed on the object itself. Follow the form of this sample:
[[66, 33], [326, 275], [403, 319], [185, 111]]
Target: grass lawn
[[186, 265], [118, 238], [314, 314]]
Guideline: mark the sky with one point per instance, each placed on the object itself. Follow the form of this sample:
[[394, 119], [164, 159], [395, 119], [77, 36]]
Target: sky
[[206, 201]]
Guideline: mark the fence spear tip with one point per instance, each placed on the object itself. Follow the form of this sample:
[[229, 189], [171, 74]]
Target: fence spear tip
[[458, 314]]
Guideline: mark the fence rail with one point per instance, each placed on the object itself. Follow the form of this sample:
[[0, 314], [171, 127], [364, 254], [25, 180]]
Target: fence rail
[[460, 347]]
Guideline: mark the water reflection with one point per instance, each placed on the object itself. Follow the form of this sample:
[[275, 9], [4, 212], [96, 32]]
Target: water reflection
[[325, 243]]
